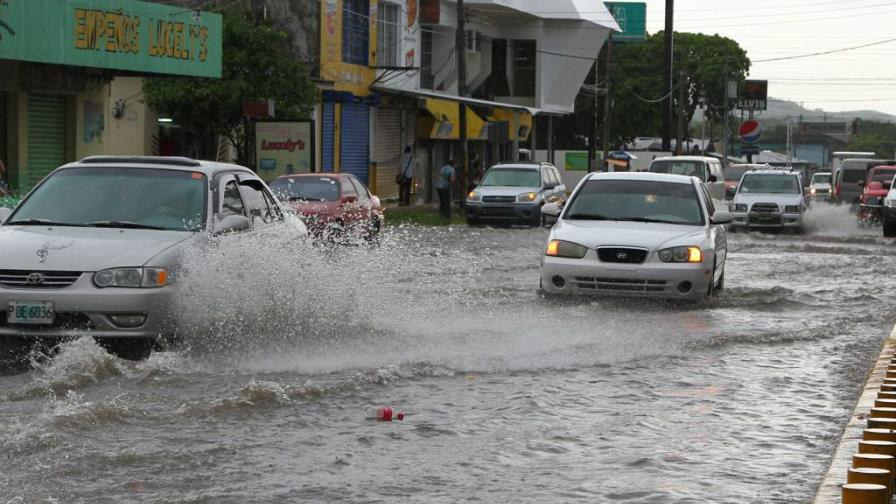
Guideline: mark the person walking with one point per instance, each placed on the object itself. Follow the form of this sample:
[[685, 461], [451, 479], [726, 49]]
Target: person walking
[[443, 186], [405, 178]]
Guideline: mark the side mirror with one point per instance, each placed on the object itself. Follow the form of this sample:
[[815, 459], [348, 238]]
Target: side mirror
[[550, 210], [712, 178], [721, 217], [231, 224], [549, 186]]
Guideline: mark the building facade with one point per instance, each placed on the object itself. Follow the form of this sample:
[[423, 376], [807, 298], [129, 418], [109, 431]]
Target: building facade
[[70, 77]]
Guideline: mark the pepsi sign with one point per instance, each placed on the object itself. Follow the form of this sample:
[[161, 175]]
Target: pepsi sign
[[750, 131]]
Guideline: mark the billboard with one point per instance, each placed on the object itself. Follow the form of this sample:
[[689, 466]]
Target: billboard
[[753, 95], [282, 148], [632, 18]]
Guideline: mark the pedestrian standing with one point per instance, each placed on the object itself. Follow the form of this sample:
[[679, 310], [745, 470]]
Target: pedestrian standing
[[475, 172], [443, 186], [405, 176]]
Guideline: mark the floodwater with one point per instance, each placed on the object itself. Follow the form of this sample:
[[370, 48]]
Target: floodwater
[[509, 397]]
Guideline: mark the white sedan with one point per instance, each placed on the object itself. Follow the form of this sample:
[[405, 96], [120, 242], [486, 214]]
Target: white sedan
[[636, 234]]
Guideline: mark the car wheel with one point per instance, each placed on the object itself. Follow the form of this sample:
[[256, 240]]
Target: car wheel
[[889, 226], [134, 349], [711, 290]]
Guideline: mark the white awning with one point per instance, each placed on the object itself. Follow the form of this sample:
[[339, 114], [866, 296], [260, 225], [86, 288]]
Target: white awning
[[445, 96]]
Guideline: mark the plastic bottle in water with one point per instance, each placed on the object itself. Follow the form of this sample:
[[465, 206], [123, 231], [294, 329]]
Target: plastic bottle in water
[[385, 414]]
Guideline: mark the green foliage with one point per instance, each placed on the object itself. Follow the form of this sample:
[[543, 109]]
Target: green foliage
[[875, 136], [637, 76], [8, 202], [257, 65]]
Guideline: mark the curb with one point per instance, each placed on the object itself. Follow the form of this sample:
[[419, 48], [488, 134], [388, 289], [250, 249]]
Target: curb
[[829, 491]]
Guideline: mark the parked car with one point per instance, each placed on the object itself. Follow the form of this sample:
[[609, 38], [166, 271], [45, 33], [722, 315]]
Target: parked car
[[848, 178], [96, 247], [707, 169], [515, 193], [874, 189], [636, 234], [733, 173], [769, 198], [820, 186], [334, 206], [889, 211]]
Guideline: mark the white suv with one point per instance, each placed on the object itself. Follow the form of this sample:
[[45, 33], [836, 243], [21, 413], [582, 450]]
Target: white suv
[[769, 198]]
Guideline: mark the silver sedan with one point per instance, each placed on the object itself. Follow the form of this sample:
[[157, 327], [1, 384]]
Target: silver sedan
[[636, 234]]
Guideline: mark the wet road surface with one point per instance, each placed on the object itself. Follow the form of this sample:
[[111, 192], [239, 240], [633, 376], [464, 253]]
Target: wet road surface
[[509, 397]]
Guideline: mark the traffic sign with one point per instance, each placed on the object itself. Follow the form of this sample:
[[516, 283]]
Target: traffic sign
[[750, 131], [631, 18], [754, 95]]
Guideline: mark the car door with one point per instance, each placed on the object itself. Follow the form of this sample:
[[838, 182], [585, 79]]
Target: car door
[[259, 212], [717, 235], [365, 210], [229, 202], [349, 211], [717, 188], [560, 188]]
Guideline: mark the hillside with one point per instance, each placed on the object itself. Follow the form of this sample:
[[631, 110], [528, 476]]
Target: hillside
[[779, 110]]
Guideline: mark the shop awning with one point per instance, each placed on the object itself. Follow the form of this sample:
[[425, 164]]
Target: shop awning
[[449, 97], [446, 124], [519, 122]]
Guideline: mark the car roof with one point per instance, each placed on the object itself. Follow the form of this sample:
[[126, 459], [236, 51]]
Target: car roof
[[208, 168], [517, 166], [686, 158], [648, 176], [772, 171], [309, 175]]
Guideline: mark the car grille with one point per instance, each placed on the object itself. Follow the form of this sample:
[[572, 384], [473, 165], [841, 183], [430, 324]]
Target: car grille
[[622, 255], [498, 199], [620, 284], [765, 207], [38, 279], [73, 320]]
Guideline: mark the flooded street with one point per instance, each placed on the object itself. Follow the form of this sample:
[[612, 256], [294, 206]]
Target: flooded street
[[509, 397]]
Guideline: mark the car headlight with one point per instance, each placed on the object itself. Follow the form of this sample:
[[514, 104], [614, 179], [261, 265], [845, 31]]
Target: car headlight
[[526, 197], [131, 277], [793, 208], [682, 255], [890, 203], [813, 190], [474, 196], [738, 207], [560, 248]]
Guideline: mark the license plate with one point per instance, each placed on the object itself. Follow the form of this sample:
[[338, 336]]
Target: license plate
[[765, 215], [30, 312]]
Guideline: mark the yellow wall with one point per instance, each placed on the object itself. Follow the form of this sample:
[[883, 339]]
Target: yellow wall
[[129, 134], [346, 77]]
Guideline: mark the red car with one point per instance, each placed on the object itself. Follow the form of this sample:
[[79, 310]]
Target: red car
[[333, 205], [874, 190]]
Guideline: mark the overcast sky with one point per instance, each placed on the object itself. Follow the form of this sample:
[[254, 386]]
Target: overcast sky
[[858, 79]]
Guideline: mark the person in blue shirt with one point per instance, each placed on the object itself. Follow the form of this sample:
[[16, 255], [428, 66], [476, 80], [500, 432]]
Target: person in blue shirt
[[443, 186]]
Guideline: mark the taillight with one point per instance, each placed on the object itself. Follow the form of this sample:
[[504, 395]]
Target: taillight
[[837, 190]]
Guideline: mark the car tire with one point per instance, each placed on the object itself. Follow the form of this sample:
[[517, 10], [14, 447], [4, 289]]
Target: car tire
[[889, 226], [133, 349]]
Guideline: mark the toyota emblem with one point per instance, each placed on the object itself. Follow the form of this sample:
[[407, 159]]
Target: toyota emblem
[[42, 254], [35, 279], [621, 256]]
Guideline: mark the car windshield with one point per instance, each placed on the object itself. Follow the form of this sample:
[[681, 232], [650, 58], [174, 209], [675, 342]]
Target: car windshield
[[883, 176], [853, 175], [306, 188], [512, 177], [734, 172], [770, 184], [821, 179], [689, 168], [118, 197], [636, 200]]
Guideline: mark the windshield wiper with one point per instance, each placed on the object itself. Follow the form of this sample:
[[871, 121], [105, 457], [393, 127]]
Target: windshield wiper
[[645, 219], [125, 225], [41, 222], [587, 216]]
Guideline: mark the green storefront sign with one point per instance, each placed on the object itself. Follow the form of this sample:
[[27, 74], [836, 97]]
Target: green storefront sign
[[631, 17], [116, 34]]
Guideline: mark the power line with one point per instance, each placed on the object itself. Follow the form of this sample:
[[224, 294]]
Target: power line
[[826, 52]]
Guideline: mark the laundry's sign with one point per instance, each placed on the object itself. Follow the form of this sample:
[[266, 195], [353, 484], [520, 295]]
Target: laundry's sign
[[118, 34]]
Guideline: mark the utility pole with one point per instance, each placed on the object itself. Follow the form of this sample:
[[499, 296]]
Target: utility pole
[[592, 124], [460, 54], [725, 118], [680, 136], [608, 98], [667, 78]]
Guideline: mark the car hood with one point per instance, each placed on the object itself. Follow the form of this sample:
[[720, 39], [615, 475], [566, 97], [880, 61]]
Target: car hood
[[634, 234], [821, 186], [781, 199], [505, 190], [82, 249], [317, 208]]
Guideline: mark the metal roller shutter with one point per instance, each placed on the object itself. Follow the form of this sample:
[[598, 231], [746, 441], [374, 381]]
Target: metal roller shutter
[[327, 134], [353, 152], [387, 149], [47, 137]]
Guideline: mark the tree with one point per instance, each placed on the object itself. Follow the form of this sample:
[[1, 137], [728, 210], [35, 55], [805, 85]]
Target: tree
[[638, 84], [256, 65]]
